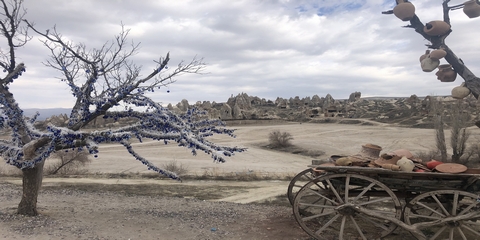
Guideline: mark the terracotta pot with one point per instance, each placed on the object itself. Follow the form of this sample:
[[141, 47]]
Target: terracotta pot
[[471, 9], [438, 54], [427, 52], [429, 64], [404, 10], [433, 163], [436, 28], [460, 92], [446, 73]]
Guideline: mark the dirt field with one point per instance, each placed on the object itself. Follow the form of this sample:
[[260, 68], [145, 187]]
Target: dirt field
[[95, 207]]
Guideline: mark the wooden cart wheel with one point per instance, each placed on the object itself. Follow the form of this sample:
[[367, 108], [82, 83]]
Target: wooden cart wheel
[[298, 182], [328, 207], [445, 214]]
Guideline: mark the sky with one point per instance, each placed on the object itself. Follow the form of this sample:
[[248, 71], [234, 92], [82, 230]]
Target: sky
[[265, 48]]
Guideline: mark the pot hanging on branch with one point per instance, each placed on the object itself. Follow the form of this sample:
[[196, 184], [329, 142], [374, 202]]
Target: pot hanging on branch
[[471, 9], [460, 92], [436, 28], [427, 52], [446, 73], [404, 10], [438, 54], [428, 64]]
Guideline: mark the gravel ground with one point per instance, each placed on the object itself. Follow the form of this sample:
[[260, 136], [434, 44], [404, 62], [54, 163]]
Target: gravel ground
[[76, 214]]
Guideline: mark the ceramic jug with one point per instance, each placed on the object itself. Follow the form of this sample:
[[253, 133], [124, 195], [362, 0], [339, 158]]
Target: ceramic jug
[[471, 9], [406, 164], [438, 54], [429, 64], [427, 52], [446, 73], [460, 92], [436, 28], [404, 10]]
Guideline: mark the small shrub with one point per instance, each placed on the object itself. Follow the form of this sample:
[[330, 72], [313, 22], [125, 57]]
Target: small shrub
[[279, 139], [68, 162], [174, 166]]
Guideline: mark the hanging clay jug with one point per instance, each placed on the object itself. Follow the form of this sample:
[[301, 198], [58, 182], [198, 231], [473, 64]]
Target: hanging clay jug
[[446, 73], [429, 64], [460, 92], [404, 10], [436, 28], [471, 9], [427, 52], [438, 54], [406, 164]]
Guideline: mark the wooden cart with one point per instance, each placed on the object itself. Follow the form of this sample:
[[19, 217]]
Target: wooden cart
[[370, 203]]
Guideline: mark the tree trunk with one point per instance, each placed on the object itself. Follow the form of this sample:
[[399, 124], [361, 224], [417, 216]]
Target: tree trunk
[[32, 181]]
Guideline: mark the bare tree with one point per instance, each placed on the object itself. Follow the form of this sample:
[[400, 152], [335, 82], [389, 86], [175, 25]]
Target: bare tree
[[459, 119], [99, 79], [438, 124]]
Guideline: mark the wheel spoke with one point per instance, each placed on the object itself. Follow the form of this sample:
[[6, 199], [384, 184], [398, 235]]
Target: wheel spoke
[[327, 224], [461, 233], [342, 228], [334, 190], [322, 196], [438, 233], [474, 204], [358, 228], [366, 189], [368, 219], [347, 183], [455, 204], [316, 216], [440, 204], [431, 209], [471, 230]]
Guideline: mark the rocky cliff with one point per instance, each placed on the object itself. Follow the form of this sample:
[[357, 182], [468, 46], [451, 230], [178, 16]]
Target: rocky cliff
[[411, 111]]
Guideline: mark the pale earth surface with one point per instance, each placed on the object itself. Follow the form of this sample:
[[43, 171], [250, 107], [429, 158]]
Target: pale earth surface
[[114, 210]]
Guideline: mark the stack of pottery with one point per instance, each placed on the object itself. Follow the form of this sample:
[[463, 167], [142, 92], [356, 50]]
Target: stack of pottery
[[471, 8], [460, 92], [436, 28], [405, 11], [446, 73]]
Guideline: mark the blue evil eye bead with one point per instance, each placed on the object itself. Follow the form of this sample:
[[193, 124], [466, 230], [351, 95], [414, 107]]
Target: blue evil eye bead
[[64, 68], [168, 91], [166, 67], [4, 70], [87, 71]]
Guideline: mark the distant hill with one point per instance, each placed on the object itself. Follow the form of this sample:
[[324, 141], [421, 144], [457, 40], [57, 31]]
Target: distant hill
[[46, 112]]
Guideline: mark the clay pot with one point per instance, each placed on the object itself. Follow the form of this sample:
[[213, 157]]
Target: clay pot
[[438, 54], [471, 9], [406, 164], [427, 52], [433, 163], [429, 64], [436, 28], [446, 73], [460, 92], [404, 10]]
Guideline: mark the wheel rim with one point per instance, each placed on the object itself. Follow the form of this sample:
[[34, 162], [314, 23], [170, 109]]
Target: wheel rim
[[298, 182], [328, 206], [445, 214]]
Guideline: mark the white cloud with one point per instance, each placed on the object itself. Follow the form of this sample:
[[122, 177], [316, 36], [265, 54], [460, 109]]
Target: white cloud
[[269, 49]]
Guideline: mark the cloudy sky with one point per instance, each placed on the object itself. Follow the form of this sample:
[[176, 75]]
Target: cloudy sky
[[265, 48]]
